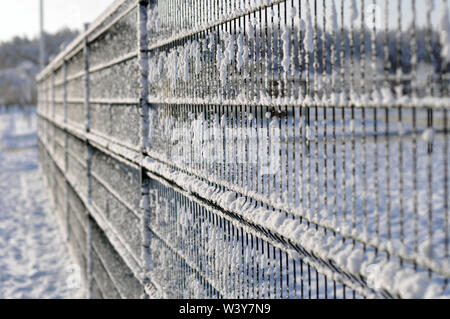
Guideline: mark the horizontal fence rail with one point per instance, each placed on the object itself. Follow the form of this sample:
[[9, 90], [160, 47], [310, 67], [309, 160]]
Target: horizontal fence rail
[[254, 148]]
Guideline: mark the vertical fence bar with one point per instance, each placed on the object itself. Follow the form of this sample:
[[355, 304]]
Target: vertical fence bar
[[144, 71], [143, 7], [86, 50], [88, 159]]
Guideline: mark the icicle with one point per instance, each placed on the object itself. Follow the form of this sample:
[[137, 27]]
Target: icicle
[[445, 33], [333, 17], [184, 63], [172, 67], [353, 10], [161, 63], [240, 56], [286, 38], [226, 58], [196, 56], [309, 32], [428, 135]]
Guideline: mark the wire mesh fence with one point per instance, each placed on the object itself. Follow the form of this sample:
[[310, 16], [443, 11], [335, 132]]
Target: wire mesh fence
[[263, 148]]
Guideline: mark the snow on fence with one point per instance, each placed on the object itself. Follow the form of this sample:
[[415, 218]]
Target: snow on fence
[[254, 148]]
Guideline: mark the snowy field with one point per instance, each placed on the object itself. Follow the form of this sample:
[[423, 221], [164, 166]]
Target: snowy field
[[34, 261]]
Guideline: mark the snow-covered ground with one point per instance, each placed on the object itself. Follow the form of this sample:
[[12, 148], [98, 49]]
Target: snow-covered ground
[[34, 260]]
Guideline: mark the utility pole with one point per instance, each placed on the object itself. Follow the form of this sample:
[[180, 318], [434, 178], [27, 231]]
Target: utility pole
[[42, 53]]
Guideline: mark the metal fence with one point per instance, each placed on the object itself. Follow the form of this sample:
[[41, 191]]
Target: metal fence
[[254, 148]]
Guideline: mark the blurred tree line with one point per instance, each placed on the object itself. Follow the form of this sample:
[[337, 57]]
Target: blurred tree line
[[19, 65]]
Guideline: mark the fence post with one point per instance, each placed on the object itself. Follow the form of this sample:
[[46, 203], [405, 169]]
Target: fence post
[[46, 94], [66, 137], [86, 80], [53, 94], [52, 97], [144, 72], [88, 160], [64, 66], [143, 101]]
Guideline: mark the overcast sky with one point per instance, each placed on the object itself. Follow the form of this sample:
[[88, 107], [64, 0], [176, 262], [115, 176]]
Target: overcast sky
[[21, 17]]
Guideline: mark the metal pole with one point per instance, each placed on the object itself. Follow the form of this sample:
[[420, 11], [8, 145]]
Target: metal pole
[[42, 53]]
